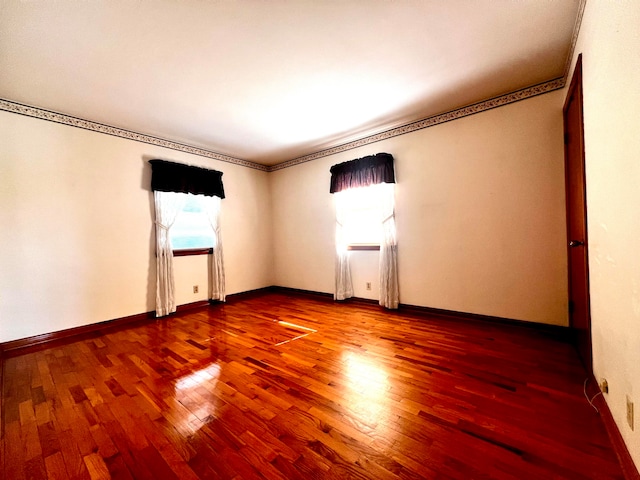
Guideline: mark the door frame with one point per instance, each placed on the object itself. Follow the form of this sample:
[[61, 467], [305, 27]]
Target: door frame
[[575, 93]]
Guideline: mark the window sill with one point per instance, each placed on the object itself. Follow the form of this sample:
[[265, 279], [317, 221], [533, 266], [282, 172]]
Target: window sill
[[363, 247], [192, 251]]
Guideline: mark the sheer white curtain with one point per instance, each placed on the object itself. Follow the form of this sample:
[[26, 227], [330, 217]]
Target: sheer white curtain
[[344, 285], [167, 205], [388, 249], [217, 281]]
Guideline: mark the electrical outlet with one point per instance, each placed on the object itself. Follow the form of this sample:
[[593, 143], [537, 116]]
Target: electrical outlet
[[368, 285], [195, 289], [604, 385], [629, 412]]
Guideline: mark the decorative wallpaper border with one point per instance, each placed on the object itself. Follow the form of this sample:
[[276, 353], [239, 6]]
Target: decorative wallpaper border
[[50, 116], [500, 101], [430, 121], [516, 96], [574, 39]]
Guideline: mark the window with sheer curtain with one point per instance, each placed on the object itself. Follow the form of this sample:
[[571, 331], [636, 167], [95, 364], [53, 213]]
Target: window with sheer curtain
[[362, 207], [173, 185], [364, 193]]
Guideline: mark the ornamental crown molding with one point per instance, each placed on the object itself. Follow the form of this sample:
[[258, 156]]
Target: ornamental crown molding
[[500, 101], [455, 114], [35, 112], [56, 117]]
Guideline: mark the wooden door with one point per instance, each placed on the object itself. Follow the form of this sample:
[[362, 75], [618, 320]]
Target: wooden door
[[576, 205]]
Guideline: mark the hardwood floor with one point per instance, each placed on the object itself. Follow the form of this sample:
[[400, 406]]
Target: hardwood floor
[[282, 387]]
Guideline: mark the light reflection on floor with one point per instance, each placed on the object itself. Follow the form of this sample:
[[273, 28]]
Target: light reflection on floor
[[307, 331], [195, 392], [208, 375], [369, 386]]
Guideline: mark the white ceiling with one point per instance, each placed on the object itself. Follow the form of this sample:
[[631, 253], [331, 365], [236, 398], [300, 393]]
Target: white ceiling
[[268, 81]]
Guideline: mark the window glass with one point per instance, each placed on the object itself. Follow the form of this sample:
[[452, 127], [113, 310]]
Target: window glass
[[192, 228], [363, 207]]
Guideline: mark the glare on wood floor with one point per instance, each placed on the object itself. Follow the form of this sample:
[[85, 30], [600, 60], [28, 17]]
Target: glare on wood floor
[[285, 387]]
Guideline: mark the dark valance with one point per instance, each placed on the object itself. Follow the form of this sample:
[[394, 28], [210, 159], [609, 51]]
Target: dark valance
[[362, 172], [177, 177]]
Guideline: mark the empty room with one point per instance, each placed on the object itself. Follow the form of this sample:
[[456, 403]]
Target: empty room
[[315, 239]]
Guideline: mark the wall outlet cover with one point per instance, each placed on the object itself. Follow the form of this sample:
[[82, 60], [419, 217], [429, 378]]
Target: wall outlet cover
[[604, 385]]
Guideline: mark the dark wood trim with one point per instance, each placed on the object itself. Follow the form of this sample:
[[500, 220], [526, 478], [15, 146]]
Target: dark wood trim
[[629, 468], [564, 333], [560, 332], [192, 251], [186, 307], [363, 247], [46, 340], [370, 301], [1, 401], [319, 295], [2, 418], [61, 337], [575, 82], [303, 293], [583, 340], [241, 296]]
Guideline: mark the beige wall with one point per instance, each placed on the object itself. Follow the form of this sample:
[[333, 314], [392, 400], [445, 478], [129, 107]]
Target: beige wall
[[609, 42], [77, 234], [479, 211], [480, 216]]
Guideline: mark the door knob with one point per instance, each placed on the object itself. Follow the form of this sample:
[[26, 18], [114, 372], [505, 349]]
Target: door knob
[[575, 243]]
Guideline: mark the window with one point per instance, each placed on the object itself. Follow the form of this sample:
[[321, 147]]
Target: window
[[170, 182], [362, 227], [365, 220], [191, 233]]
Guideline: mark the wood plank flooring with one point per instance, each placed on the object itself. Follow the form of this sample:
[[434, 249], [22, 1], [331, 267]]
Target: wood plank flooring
[[283, 387]]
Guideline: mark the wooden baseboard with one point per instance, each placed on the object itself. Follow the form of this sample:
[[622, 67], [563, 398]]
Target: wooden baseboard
[[556, 331], [241, 296], [629, 468], [563, 333], [2, 418], [47, 340], [1, 402], [302, 293], [38, 342]]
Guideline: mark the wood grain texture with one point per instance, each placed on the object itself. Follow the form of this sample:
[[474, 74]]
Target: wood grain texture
[[61, 337], [236, 391]]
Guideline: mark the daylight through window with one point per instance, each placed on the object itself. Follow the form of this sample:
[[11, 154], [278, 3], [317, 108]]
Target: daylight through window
[[362, 206], [192, 228]]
